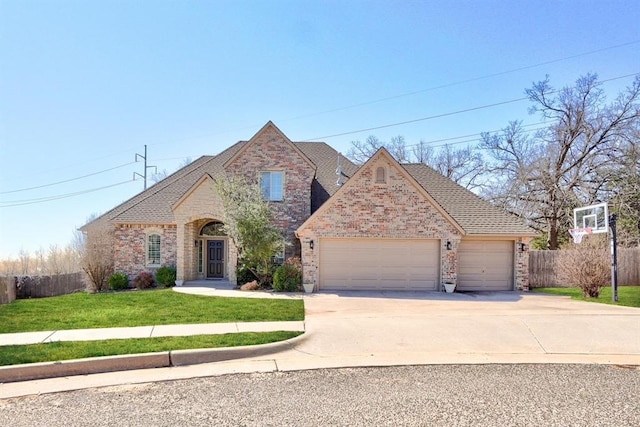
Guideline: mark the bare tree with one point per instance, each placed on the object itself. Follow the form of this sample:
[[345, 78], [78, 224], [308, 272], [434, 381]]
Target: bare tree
[[96, 255], [25, 261], [398, 149], [159, 176], [422, 152], [464, 166], [543, 177], [54, 260], [623, 190], [586, 265], [360, 152]]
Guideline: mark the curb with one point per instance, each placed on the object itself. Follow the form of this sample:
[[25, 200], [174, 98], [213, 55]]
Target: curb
[[165, 359]]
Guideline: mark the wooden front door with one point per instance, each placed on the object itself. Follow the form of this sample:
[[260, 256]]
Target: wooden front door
[[215, 259]]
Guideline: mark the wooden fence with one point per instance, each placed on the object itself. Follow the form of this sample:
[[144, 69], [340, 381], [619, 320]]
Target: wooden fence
[[7, 290], [41, 286], [543, 271]]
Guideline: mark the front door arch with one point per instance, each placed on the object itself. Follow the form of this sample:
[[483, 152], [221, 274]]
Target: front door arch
[[215, 253]]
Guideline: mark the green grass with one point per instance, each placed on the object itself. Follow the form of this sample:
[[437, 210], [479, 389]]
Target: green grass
[[66, 350], [627, 295], [140, 308]]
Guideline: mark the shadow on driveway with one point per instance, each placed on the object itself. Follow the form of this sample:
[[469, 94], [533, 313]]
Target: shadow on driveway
[[507, 296]]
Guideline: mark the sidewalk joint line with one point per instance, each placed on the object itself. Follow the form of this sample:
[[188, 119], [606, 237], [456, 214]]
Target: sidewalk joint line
[[48, 336], [153, 327]]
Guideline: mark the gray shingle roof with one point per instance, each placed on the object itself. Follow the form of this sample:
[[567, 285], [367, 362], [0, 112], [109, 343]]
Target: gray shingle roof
[[474, 214], [153, 206]]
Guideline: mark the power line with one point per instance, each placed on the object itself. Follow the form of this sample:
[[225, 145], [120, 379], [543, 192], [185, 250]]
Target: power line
[[392, 97], [437, 116], [66, 180], [470, 135], [473, 79], [13, 203]]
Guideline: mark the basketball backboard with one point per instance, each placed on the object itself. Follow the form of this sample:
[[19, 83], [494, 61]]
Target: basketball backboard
[[595, 217]]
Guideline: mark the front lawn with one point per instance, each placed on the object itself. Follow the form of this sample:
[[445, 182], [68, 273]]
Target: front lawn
[[65, 350], [627, 295], [140, 308]]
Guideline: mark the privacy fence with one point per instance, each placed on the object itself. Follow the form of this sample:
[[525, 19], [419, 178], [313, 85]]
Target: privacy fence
[[543, 269], [17, 287]]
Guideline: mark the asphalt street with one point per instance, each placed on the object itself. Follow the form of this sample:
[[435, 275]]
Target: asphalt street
[[436, 395]]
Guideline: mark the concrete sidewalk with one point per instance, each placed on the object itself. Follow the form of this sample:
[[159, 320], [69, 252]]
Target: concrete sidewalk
[[352, 329], [96, 334]]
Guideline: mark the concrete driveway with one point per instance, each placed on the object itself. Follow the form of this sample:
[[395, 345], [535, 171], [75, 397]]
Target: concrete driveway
[[351, 329], [387, 328]]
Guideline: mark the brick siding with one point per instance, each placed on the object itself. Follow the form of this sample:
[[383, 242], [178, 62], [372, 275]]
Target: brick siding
[[130, 247], [396, 209], [270, 151]]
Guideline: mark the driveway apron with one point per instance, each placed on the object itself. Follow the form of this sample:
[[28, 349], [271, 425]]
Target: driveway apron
[[444, 328]]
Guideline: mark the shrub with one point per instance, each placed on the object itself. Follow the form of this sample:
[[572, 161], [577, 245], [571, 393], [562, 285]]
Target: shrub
[[118, 281], [166, 276], [288, 277], [143, 280], [586, 265]]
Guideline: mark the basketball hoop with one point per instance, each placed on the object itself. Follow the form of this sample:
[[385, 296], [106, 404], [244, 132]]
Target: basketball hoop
[[579, 233]]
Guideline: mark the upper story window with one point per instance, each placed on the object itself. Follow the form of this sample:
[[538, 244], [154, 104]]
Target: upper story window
[[272, 184], [153, 249], [381, 175]]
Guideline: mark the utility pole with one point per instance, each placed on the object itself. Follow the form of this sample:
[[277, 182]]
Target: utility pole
[[145, 167]]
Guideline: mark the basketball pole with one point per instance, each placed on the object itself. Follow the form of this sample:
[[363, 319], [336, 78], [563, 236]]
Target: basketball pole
[[614, 258]]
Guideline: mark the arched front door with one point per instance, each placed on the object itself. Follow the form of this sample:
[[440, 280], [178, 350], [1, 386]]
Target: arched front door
[[215, 255]]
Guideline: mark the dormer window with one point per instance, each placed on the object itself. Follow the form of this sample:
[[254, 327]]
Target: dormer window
[[381, 175], [272, 185]]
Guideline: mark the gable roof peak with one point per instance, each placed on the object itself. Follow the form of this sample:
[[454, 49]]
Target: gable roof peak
[[270, 125]]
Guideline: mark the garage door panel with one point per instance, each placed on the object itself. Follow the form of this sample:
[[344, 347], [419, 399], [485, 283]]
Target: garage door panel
[[379, 264], [485, 265]]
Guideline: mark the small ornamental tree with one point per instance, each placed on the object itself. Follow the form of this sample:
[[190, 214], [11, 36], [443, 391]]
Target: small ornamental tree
[[248, 221], [586, 265]]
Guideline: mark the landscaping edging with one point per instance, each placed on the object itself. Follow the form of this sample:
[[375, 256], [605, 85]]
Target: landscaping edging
[[126, 362]]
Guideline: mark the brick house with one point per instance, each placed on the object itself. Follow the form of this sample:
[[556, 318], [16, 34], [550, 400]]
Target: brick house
[[380, 226]]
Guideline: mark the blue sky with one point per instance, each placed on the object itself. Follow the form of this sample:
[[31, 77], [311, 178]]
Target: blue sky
[[84, 85]]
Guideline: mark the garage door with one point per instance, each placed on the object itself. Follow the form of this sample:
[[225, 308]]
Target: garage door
[[379, 264], [485, 265]]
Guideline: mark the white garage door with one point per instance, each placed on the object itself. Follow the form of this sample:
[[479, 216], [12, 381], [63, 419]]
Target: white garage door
[[485, 265], [379, 264]]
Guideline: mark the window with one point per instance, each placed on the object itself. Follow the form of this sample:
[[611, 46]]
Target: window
[[214, 228], [278, 257], [272, 185], [200, 256], [153, 249], [381, 175]]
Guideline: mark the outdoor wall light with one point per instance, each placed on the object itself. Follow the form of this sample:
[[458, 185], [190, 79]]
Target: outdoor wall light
[[448, 245], [522, 247], [310, 244]]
